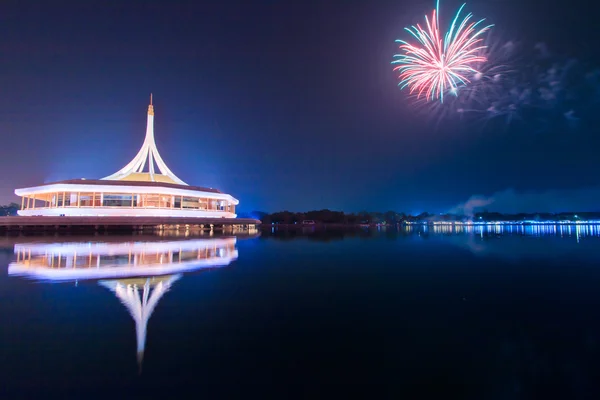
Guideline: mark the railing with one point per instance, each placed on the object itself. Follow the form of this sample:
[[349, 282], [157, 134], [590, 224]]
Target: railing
[[225, 209]]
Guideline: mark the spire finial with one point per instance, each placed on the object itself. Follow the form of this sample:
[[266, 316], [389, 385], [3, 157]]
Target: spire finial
[[150, 107]]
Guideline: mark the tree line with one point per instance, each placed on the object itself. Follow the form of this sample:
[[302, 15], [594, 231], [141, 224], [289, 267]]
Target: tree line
[[393, 217], [9, 210], [332, 217], [389, 217]]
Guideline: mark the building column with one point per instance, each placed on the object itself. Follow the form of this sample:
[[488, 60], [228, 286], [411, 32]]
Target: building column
[[132, 199], [172, 201], [94, 200], [22, 202], [181, 203], [78, 199]]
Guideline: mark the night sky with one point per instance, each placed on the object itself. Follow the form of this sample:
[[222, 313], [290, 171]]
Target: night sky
[[290, 105]]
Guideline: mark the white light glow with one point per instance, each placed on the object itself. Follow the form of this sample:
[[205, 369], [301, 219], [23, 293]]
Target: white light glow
[[124, 212]]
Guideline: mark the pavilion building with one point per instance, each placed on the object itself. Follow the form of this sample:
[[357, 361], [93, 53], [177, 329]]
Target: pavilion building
[[138, 189]]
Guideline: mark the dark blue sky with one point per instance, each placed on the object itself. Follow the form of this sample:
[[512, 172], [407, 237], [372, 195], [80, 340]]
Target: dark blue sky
[[284, 104]]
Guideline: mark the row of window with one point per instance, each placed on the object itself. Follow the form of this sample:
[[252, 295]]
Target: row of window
[[130, 200]]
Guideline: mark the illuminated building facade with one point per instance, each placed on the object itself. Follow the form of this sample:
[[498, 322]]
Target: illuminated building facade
[[131, 191]]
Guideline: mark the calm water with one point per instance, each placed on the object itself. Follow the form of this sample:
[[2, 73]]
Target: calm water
[[478, 314]]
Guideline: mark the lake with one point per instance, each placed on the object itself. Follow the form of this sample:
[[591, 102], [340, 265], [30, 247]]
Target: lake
[[480, 313]]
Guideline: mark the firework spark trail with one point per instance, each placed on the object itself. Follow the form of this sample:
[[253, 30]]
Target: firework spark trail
[[435, 65], [486, 94]]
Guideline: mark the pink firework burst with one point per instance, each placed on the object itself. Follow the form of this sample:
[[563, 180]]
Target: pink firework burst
[[435, 65]]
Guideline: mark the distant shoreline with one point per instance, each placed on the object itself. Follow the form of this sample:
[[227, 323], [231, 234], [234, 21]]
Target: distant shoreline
[[365, 218], [428, 223]]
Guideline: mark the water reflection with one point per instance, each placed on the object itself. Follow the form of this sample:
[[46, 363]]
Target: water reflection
[[140, 305], [518, 241], [576, 231], [103, 260], [306, 313], [497, 240], [139, 273], [563, 230]]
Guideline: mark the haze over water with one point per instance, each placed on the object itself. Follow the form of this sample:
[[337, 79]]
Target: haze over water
[[469, 313]]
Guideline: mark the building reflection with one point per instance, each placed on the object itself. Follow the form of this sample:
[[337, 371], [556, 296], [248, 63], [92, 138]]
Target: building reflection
[[140, 297], [139, 273], [69, 261]]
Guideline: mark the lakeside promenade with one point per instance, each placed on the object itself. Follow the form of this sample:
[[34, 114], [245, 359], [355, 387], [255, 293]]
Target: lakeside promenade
[[46, 223]]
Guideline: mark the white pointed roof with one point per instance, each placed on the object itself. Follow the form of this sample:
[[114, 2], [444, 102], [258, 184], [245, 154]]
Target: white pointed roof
[[148, 155]]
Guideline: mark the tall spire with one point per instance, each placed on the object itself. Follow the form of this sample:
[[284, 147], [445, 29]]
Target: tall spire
[[148, 154]]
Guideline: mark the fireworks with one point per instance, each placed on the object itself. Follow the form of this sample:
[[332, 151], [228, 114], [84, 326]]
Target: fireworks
[[436, 65]]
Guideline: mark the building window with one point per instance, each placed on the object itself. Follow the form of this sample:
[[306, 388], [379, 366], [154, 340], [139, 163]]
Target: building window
[[150, 200], [117, 200], [190, 202], [165, 201], [71, 199], [86, 200]]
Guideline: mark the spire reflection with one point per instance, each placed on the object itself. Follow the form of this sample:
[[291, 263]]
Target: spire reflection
[[140, 303], [138, 273]]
